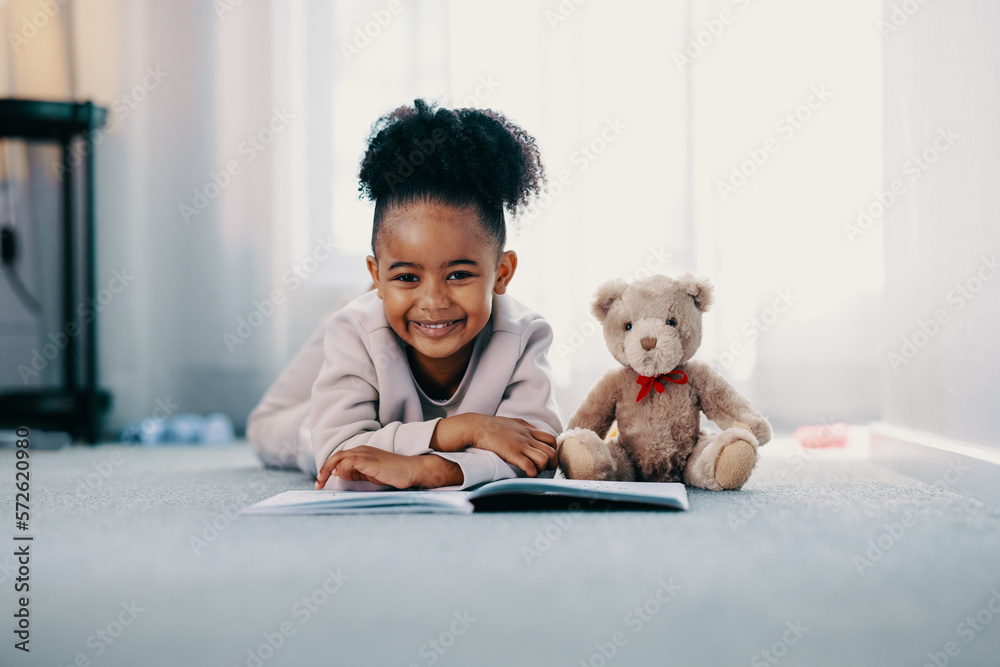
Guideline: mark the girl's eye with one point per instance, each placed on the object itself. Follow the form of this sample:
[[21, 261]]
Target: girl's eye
[[672, 322], [459, 275], [406, 278], [628, 326]]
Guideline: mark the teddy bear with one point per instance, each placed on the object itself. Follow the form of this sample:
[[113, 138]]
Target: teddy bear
[[653, 327]]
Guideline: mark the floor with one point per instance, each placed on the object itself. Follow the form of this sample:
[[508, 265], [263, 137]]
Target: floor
[[823, 559]]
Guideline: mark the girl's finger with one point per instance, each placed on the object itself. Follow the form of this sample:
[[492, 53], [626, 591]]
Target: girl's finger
[[547, 449], [333, 464], [329, 465], [543, 436], [528, 466], [539, 458], [346, 470], [551, 458], [324, 476]]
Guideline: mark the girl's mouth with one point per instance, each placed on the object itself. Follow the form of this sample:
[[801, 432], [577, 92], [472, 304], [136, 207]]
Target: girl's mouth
[[438, 329]]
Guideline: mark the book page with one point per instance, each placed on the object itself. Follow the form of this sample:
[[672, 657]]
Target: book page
[[352, 502], [662, 494]]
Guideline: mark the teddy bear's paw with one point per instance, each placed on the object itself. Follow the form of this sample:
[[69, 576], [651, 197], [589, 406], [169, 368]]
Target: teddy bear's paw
[[735, 463], [583, 455]]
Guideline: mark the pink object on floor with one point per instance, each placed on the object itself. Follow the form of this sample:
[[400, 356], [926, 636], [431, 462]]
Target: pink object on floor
[[819, 437]]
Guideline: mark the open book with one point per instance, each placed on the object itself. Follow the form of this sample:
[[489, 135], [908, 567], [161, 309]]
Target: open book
[[506, 495]]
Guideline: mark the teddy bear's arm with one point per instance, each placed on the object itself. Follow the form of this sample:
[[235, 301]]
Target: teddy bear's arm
[[721, 402], [597, 412]]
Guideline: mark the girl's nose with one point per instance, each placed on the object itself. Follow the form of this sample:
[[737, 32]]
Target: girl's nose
[[435, 295]]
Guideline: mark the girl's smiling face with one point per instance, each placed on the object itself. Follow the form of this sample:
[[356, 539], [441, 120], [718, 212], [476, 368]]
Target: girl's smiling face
[[436, 274]]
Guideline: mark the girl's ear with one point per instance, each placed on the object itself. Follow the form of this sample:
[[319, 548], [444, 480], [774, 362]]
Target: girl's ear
[[373, 270], [505, 271]]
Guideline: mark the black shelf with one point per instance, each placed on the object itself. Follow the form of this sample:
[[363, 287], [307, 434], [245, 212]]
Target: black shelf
[[79, 404], [39, 120]]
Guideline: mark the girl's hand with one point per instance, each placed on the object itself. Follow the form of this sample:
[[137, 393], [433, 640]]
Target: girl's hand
[[518, 443], [371, 464]]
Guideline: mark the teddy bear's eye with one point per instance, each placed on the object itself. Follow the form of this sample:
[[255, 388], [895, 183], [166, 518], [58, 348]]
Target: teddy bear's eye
[[628, 326], [672, 322]]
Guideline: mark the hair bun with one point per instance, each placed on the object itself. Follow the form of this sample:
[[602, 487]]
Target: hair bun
[[464, 156]]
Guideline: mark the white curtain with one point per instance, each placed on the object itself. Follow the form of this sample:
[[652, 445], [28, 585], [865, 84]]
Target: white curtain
[[643, 110], [640, 109], [189, 197]]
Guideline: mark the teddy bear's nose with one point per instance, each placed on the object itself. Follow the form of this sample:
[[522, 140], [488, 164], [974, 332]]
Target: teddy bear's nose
[[648, 343]]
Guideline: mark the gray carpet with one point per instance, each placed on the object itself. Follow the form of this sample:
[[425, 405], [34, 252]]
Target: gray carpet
[[459, 590]]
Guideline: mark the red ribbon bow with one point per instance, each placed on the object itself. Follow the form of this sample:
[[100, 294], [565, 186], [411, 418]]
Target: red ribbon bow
[[654, 382]]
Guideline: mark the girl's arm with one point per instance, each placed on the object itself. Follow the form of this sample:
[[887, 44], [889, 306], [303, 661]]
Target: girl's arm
[[530, 392], [274, 422], [514, 440], [344, 403], [519, 439], [368, 464]]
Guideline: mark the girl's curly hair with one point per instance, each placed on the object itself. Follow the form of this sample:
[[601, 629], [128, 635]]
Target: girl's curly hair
[[463, 157]]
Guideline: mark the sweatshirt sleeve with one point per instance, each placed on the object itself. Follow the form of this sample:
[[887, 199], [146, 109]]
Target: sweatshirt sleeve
[[529, 395], [480, 465], [344, 406], [273, 425]]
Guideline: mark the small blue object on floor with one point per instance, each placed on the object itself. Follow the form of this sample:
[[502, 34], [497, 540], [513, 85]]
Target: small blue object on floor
[[187, 428]]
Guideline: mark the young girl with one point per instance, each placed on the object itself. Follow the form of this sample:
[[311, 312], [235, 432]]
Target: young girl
[[436, 377]]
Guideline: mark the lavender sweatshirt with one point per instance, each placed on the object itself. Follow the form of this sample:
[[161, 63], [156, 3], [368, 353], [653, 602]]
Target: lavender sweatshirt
[[365, 393]]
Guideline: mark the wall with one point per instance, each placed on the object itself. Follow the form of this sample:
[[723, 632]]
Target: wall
[[941, 313], [787, 108]]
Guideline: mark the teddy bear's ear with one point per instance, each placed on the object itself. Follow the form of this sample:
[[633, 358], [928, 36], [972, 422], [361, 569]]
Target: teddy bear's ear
[[699, 289], [606, 296]]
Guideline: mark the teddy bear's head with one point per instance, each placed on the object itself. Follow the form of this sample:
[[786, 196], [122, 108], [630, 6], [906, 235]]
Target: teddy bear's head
[[653, 324]]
